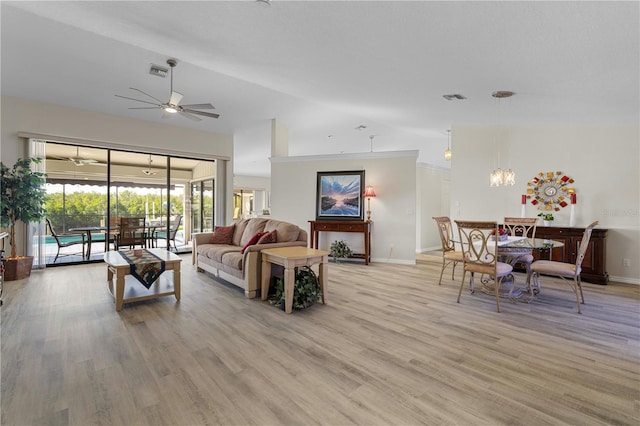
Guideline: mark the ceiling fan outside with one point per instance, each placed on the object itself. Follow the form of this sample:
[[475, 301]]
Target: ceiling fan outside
[[80, 161], [172, 106], [148, 170]]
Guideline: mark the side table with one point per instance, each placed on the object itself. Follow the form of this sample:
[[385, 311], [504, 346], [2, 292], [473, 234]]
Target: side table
[[291, 258]]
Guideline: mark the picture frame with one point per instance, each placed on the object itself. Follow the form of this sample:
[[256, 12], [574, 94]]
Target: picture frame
[[339, 195]]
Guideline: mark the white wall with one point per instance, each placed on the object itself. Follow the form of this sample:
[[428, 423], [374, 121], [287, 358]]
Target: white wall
[[393, 176], [20, 115], [433, 200], [603, 161]]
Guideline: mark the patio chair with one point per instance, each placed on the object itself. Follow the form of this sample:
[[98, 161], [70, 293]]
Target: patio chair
[[66, 240], [172, 233], [132, 232]]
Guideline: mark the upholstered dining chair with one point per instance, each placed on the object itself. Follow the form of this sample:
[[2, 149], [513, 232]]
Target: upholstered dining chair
[[569, 272], [480, 255], [66, 240], [449, 253], [522, 227]]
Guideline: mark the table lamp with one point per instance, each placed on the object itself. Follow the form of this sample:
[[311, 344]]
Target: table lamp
[[369, 192]]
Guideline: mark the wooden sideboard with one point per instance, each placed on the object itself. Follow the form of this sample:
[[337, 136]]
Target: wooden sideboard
[[362, 227], [594, 265]]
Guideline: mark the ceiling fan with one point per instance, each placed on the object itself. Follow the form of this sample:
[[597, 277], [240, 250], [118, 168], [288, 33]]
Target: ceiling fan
[[172, 106], [79, 161], [148, 170]]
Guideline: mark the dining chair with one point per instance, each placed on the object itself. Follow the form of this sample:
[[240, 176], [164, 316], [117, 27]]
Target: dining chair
[[522, 227], [569, 272], [66, 240], [449, 253], [132, 232], [175, 225], [480, 255]]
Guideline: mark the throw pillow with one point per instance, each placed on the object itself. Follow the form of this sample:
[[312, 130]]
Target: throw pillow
[[223, 234], [252, 241], [268, 238]]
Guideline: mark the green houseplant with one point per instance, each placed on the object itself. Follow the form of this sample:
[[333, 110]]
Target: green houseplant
[[339, 250], [546, 218], [22, 199], [306, 290]]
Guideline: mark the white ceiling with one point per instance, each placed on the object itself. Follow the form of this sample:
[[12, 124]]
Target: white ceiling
[[323, 68]]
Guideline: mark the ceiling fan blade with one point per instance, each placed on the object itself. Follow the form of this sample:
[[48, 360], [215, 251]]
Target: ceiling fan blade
[[175, 98], [153, 107], [189, 115], [206, 114], [137, 100], [199, 106], [145, 93]]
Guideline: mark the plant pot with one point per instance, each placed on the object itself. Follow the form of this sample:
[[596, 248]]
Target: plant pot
[[546, 222], [17, 268]]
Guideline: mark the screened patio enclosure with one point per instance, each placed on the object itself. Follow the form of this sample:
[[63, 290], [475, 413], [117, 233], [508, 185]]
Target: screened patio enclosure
[[90, 189]]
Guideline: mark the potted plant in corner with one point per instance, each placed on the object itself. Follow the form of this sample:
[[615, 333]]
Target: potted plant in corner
[[22, 199], [546, 218]]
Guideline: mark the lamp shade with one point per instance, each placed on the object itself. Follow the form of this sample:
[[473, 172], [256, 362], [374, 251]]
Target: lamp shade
[[369, 192]]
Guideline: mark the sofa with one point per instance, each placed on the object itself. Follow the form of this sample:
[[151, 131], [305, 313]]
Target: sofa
[[228, 261]]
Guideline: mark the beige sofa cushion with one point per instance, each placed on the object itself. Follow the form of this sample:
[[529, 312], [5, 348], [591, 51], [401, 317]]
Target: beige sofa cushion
[[217, 252], [286, 232], [254, 226], [233, 260], [238, 231]]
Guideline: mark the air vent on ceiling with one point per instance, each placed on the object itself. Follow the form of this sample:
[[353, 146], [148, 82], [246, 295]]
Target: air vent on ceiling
[[455, 96], [158, 70]]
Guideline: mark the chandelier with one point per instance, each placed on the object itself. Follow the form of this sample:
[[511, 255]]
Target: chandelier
[[499, 177], [447, 152]]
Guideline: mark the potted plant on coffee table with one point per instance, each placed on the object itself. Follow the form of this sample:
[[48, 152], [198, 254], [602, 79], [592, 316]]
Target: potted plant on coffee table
[[22, 199]]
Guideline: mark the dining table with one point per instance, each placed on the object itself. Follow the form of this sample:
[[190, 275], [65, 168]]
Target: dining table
[[88, 230], [513, 248], [510, 251]]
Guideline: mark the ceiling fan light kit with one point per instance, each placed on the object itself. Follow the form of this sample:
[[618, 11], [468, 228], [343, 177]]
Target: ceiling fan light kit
[[148, 170], [172, 106]]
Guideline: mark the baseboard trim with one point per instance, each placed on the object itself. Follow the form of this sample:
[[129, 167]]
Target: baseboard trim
[[624, 280], [396, 261]]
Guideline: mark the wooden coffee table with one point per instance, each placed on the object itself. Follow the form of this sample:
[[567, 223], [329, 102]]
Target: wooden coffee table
[[119, 266], [291, 258]]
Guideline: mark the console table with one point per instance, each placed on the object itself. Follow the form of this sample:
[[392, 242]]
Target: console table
[[362, 227]]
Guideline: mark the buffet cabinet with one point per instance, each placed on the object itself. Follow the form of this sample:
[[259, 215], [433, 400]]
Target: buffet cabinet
[[594, 266]]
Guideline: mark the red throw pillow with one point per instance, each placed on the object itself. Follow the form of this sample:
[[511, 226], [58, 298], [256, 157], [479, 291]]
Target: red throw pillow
[[253, 240], [223, 234], [268, 238]]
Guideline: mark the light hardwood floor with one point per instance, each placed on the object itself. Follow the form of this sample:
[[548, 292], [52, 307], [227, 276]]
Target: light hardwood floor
[[391, 347]]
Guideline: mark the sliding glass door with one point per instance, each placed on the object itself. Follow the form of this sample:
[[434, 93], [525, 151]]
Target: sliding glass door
[[202, 205], [90, 189]]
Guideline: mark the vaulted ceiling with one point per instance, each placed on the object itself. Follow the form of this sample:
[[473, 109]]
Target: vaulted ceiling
[[324, 68]]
